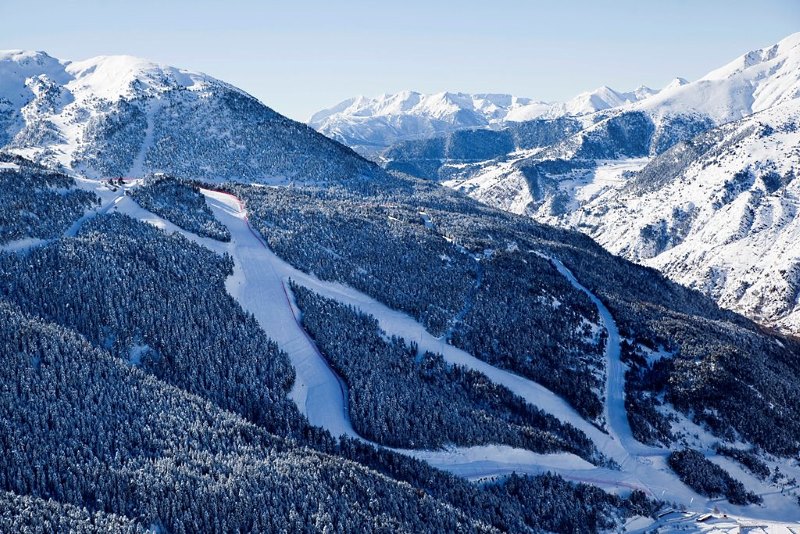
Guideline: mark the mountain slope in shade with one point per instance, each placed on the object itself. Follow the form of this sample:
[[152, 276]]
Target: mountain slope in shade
[[119, 115], [372, 124]]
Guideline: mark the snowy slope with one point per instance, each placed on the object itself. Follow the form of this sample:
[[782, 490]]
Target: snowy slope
[[719, 214], [372, 124], [752, 82], [715, 212], [120, 115]]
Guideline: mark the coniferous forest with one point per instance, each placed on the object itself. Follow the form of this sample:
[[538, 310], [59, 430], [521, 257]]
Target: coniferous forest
[[414, 313]]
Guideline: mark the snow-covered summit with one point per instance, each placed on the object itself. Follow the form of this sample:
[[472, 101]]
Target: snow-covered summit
[[108, 77], [378, 122], [750, 83], [122, 115], [601, 98], [116, 77]]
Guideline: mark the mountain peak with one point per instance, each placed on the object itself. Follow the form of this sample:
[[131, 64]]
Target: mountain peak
[[788, 49], [118, 116], [750, 83], [22, 56], [113, 77]]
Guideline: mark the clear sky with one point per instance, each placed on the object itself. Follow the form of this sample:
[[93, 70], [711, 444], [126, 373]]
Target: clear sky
[[300, 56]]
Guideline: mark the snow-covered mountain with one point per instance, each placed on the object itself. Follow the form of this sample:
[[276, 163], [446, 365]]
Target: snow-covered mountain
[[232, 335], [718, 213], [120, 115], [372, 124], [750, 83], [714, 211]]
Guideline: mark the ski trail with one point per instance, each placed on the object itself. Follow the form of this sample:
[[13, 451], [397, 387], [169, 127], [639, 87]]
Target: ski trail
[[259, 285], [23, 245], [108, 200], [260, 290], [615, 413], [397, 323], [137, 167]]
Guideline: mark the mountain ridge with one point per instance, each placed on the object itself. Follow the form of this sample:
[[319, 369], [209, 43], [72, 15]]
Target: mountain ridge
[[68, 113], [371, 124]]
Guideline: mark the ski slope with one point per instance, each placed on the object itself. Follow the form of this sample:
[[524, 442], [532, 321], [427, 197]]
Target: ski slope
[[615, 413], [259, 283]]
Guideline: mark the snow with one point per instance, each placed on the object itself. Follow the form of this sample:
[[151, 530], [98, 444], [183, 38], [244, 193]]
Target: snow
[[22, 245], [17, 66], [502, 186], [600, 99], [259, 284], [110, 77], [68, 96], [138, 167], [375, 123], [741, 253], [752, 82]]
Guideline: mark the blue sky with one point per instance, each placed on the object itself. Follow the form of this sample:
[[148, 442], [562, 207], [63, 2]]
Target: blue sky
[[300, 56]]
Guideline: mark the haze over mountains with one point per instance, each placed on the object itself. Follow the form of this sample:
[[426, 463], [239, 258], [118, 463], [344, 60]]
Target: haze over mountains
[[584, 171], [214, 318]]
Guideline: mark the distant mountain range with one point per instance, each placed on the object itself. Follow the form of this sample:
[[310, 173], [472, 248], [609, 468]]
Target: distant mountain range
[[585, 171], [372, 124]]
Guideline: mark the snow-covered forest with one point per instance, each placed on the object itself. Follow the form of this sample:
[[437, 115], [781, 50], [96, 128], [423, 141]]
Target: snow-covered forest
[[215, 319]]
